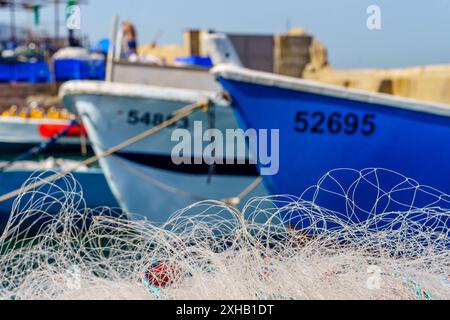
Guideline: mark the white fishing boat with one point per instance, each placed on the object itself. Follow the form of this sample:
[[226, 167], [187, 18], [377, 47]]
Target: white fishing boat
[[143, 176]]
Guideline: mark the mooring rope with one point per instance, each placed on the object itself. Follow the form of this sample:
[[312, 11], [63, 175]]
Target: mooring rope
[[177, 116]]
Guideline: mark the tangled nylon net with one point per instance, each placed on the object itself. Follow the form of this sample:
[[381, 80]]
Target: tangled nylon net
[[55, 248]]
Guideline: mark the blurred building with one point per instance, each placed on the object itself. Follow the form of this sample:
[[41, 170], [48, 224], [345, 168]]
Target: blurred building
[[290, 54]]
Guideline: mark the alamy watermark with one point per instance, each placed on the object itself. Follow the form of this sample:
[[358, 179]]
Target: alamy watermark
[[236, 146], [374, 19], [73, 278], [374, 278]]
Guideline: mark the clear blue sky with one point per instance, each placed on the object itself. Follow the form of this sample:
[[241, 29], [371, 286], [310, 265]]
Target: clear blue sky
[[414, 32]]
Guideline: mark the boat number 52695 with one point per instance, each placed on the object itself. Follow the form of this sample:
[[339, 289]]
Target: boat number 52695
[[334, 123]]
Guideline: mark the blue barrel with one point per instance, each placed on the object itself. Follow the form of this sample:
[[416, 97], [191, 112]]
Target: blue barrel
[[68, 69], [31, 72], [97, 70]]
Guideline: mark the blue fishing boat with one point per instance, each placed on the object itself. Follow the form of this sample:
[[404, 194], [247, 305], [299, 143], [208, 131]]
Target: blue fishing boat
[[324, 127]]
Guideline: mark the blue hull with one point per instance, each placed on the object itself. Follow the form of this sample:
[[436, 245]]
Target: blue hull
[[96, 193], [322, 132]]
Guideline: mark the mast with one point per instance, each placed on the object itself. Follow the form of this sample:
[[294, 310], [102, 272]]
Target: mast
[[56, 21], [12, 8]]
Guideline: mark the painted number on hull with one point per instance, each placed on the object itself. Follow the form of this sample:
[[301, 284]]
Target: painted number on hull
[[154, 119], [334, 123]]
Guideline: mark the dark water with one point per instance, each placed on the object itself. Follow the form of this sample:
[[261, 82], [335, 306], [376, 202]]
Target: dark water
[[12, 155]]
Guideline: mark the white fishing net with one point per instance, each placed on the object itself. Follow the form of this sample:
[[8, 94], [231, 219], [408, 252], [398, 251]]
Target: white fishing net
[[393, 244]]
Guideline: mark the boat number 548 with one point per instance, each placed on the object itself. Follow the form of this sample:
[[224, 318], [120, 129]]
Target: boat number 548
[[154, 119], [334, 123]]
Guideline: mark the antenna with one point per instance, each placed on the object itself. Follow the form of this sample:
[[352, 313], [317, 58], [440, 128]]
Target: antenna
[[12, 12], [13, 5], [288, 24]]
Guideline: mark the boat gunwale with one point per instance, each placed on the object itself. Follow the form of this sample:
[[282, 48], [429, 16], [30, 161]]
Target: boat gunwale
[[164, 66], [235, 73], [131, 90]]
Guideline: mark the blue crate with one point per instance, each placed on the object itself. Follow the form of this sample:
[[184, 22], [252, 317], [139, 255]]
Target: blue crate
[[31, 72], [94, 70], [98, 69], [21, 72], [5, 72], [199, 61]]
